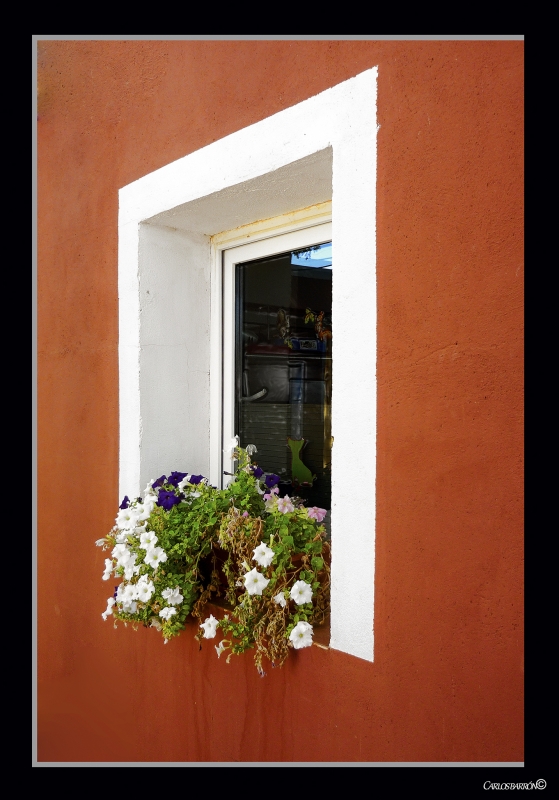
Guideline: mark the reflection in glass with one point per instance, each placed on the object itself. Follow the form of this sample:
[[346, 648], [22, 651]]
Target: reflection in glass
[[284, 368]]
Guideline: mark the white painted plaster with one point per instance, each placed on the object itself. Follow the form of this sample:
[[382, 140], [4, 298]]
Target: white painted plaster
[[323, 148]]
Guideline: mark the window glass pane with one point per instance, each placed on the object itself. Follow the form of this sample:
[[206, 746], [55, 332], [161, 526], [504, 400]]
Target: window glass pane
[[284, 368]]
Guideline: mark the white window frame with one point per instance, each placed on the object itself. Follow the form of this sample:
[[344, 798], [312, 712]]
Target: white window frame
[[170, 221]]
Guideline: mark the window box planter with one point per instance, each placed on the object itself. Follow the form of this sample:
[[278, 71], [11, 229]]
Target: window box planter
[[261, 558]]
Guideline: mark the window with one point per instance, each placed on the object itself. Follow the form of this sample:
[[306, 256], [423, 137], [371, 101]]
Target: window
[[175, 298], [277, 357], [283, 366]]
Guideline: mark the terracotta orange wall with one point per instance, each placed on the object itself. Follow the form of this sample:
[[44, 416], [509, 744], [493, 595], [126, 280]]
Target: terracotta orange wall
[[447, 682]]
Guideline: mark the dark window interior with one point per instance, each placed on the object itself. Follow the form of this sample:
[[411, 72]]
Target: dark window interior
[[284, 368]]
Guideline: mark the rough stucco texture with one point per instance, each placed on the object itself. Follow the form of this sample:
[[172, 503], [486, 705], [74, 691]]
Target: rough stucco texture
[[447, 682]]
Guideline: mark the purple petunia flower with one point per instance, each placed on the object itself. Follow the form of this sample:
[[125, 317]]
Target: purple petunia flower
[[115, 592], [125, 503], [167, 499], [271, 480], [176, 477], [159, 482], [257, 472], [195, 479]]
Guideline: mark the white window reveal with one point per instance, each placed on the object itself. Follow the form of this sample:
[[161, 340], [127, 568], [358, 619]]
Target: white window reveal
[[207, 324]]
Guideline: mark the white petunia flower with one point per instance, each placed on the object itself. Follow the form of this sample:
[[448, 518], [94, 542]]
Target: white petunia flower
[[301, 592], [108, 569], [219, 648], [185, 483], [147, 507], [127, 519], [232, 445], [301, 635], [172, 596], [119, 550], [280, 599], [109, 610], [263, 555], [167, 613], [145, 589], [128, 594], [148, 539], [131, 568], [154, 556], [255, 582], [126, 558], [251, 449], [101, 543], [210, 627]]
